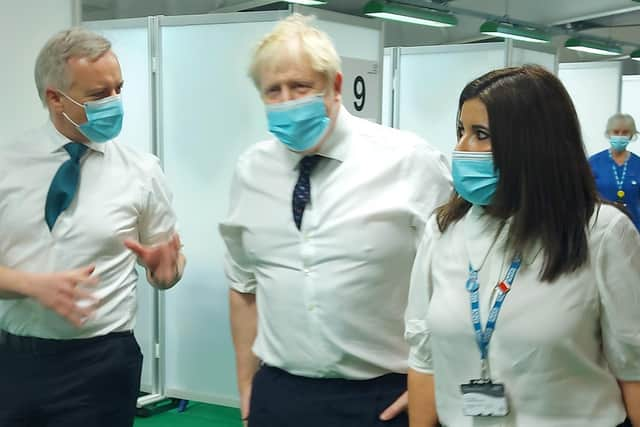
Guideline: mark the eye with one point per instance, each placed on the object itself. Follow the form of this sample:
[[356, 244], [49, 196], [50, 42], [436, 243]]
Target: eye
[[482, 135]]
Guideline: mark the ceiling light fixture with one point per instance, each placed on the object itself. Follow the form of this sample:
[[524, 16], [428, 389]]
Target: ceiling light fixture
[[308, 2], [516, 32], [635, 55], [593, 46], [414, 15]]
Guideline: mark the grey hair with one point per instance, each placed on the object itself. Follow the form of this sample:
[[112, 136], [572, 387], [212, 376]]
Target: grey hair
[[51, 64], [626, 119]]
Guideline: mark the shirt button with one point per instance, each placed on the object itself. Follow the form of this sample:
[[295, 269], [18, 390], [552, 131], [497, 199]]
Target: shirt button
[[307, 271], [312, 307]]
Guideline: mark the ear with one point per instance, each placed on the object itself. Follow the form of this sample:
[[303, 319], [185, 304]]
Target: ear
[[54, 100], [337, 84]]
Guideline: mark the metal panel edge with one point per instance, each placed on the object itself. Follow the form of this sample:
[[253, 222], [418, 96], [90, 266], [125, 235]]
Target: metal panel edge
[[418, 50], [222, 18], [116, 24], [342, 18]]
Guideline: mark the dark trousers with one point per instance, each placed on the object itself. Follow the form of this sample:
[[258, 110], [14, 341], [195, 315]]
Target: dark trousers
[[279, 399], [69, 383]]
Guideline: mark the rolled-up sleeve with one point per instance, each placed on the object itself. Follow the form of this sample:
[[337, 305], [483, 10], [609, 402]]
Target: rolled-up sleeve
[[417, 331], [157, 220], [618, 278], [433, 186], [237, 264]]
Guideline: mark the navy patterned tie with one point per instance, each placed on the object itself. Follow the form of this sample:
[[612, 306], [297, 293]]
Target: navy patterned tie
[[64, 185], [302, 190]]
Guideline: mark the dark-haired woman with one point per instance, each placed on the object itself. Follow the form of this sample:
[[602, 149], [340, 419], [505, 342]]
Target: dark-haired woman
[[524, 299]]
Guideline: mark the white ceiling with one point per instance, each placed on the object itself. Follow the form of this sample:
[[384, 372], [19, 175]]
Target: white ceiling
[[618, 20]]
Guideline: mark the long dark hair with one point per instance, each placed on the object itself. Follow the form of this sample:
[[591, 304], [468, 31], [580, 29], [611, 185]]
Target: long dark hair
[[545, 183]]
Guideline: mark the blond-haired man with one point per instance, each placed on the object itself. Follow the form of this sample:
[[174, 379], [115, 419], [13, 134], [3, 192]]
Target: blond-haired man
[[70, 196], [321, 234]]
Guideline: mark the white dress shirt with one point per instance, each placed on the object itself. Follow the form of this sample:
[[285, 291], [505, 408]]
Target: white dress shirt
[[121, 194], [331, 296], [558, 347]]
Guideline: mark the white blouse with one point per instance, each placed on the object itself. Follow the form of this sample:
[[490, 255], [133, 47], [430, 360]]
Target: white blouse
[[558, 347]]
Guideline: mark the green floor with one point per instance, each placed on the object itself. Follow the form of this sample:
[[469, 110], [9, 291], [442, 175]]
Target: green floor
[[196, 415]]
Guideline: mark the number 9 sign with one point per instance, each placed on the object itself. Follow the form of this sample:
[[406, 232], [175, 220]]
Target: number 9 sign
[[360, 93]]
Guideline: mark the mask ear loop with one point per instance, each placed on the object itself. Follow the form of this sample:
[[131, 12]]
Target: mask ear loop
[[64, 114]]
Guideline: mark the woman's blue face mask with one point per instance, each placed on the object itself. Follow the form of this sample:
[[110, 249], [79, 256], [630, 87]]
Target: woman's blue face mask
[[619, 142], [299, 124], [474, 176]]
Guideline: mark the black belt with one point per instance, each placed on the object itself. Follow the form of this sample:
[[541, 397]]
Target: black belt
[[25, 344]]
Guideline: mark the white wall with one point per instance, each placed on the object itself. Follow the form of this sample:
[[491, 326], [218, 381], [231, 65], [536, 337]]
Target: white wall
[[595, 90], [25, 26], [630, 104]]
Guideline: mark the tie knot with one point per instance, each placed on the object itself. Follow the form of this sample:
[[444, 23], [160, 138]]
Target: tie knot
[[75, 150], [308, 163]]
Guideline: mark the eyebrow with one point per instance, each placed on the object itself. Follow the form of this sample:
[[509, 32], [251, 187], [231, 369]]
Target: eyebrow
[[100, 89], [480, 127]]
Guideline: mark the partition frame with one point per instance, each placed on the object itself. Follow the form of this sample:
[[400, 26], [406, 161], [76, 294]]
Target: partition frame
[[157, 320]]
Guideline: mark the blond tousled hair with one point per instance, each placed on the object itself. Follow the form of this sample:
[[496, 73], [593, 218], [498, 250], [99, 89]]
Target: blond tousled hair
[[314, 44]]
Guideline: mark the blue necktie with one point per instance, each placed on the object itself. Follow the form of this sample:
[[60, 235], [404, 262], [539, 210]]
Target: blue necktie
[[64, 185], [302, 190]]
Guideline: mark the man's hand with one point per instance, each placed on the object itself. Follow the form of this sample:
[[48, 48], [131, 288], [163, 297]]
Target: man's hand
[[62, 293], [162, 261], [400, 405], [245, 399]]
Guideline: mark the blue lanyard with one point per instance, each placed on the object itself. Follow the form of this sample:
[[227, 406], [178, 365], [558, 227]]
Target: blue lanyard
[[619, 181], [483, 338]]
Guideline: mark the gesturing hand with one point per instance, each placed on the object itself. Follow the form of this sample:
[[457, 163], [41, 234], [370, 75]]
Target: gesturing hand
[[161, 260], [63, 291]]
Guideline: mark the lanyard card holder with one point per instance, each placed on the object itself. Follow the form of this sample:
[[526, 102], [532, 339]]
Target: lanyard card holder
[[484, 398]]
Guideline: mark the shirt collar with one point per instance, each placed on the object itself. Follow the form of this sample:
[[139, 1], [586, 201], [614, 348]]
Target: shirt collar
[[57, 140], [336, 146]]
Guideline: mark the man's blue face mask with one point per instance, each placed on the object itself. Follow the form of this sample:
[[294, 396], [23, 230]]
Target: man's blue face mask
[[104, 118], [299, 124], [474, 176]]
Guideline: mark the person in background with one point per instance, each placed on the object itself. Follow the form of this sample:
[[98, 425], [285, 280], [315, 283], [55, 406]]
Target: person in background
[[72, 196], [323, 225], [523, 309], [616, 169]]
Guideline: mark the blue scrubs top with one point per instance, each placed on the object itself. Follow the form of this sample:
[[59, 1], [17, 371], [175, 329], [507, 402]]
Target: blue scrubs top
[[602, 167]]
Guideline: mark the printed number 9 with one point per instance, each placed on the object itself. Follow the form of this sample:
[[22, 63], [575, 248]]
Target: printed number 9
[[360, 93]]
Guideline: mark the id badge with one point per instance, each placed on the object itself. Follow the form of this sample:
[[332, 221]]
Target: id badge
[[484, 398]]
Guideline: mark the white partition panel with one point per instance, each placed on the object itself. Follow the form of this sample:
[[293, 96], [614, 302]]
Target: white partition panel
[[522, 56], [360, 44], [26, 25], [129, 39], [631, 104], [430, 82], [595, 90], [211, 113], [387, 87]]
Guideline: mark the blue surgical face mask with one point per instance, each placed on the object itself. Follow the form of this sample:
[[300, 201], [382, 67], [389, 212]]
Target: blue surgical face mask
[[619, 142], [299, 124], [104, 118], [474, 176]]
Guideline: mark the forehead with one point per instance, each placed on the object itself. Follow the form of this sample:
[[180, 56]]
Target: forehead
[[103, 71], [286, 61], [474, 110], [620, 124]]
